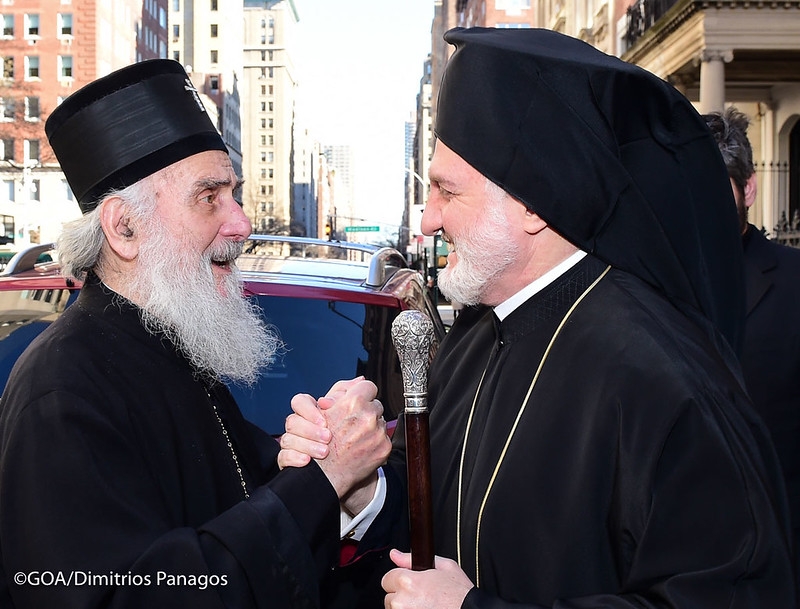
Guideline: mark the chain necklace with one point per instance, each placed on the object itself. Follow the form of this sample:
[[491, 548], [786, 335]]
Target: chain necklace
[[236, 463]]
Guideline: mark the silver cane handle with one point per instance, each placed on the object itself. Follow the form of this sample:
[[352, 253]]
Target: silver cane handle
[[412, 334]]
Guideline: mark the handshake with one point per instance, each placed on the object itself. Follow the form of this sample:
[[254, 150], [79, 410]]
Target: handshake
[[345, 433]]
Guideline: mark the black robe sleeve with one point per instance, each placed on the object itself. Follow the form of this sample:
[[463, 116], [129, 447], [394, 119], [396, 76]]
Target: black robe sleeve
[[82, 508]]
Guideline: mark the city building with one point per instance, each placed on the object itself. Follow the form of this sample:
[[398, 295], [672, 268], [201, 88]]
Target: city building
[[341, 167], [206, 37], [497, 13], [419, 162], [405, 237], [269, 113], [304, 212], [51, 48]]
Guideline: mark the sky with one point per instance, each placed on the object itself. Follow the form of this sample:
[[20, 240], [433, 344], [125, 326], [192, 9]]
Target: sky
[[359, 64]]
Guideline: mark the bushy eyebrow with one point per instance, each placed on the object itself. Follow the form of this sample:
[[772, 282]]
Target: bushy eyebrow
[[215, 184]]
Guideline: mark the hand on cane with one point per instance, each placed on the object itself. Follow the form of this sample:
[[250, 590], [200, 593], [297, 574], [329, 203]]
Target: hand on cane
[[443, 587]]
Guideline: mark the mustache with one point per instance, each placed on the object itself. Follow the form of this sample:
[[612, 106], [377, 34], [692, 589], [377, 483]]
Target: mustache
[[225, 251]]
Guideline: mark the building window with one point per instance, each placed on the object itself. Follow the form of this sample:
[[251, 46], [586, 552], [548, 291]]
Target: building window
[[176, 31], [31, 67], [270, 157], [35, 192], [65, 24], [162, 17], [9, 190], [32, 111], [263, 173], [263, 89], [176, 5], [176, 55], [32, 25], [213, 82], [271, 123], [67, 191], [32, 150], [214, 56], [8, 26], [214, 5], [263, 140], [271, 106], [65, 66], [9, 109], [7, 149], [214, 30], [8, 67]]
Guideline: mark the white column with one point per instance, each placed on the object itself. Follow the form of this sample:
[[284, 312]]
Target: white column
[[767, 191], [712, 79]]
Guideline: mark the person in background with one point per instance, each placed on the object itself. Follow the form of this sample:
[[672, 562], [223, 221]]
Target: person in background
[[592, 444], [771, 350], [128, 476]]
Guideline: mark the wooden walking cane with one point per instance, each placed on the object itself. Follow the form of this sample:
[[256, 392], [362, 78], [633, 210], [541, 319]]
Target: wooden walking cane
[[412, 334]]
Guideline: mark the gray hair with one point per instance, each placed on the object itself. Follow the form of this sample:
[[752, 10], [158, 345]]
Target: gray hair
[[729, 129], [80, 245]]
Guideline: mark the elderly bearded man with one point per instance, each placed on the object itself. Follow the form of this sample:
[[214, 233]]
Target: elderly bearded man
[[591, 442], [124, 460]]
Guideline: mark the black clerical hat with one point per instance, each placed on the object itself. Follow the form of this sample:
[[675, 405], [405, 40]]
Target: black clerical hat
[[609, 155], [125, 126]]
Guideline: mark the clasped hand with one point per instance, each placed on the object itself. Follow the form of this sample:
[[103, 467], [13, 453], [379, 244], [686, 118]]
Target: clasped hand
[[345, 433]]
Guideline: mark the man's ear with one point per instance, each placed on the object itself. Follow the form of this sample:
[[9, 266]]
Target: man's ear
[[750, 190], [120, 232], [532, 222]]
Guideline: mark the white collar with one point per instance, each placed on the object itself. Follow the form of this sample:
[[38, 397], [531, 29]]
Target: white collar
[[505, 308]]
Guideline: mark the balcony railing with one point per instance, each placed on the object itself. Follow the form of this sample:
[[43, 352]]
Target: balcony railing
[[642, 15], [773, 177]]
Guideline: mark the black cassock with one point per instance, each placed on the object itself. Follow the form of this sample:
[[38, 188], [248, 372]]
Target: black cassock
[[114, 472], [634, 474]]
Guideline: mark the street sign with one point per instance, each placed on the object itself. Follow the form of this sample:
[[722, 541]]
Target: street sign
[[361, 229]]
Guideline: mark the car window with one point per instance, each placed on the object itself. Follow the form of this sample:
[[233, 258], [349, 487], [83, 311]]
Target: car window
[[24, 314], [325, 341]]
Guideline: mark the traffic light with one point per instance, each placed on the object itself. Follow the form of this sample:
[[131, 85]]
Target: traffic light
[[328, 230]]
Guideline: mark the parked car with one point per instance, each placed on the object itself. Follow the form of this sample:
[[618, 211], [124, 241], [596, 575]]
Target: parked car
[[332, 303]]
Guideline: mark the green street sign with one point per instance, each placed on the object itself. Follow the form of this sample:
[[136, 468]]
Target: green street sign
[[361, 229]]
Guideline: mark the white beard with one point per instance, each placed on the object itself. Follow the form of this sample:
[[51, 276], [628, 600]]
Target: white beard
[[223, 335], [484, 252]]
